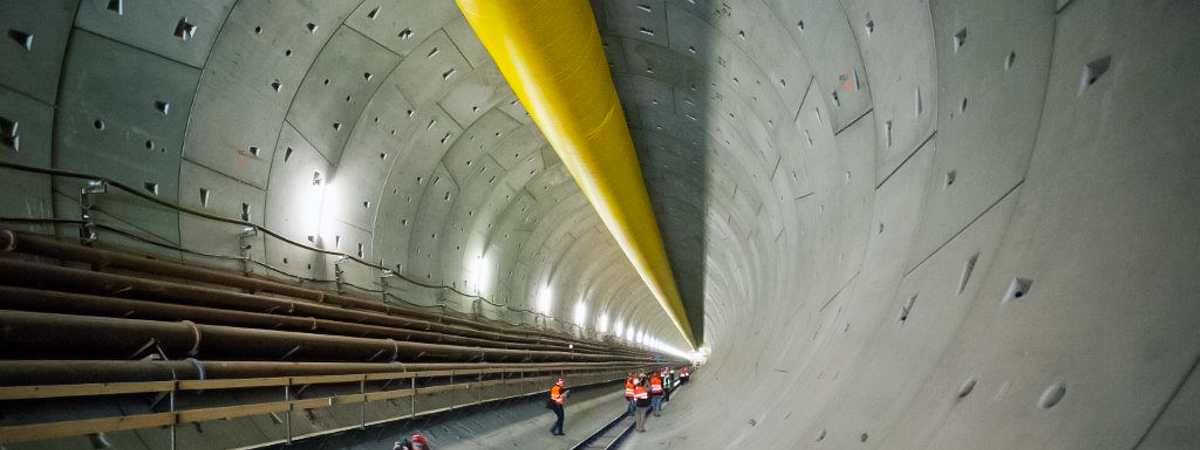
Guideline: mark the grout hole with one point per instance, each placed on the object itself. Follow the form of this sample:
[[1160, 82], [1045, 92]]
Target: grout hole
[[205, 195], [317, 179], [962, 107], [920, 107], [645, 8], [966, 388], [836, 101], [1052, 395], [245, 212], [367, 204], [99, 124], [870, 27], [1018, 288], [149, 145], [312, 27], [277, 86], [337, 242], [646, 31], [152, 187], [406, 34], [887, 132], [25, 40], [254, 150], [258, 30], [337, 126], [162, 107], [959, 38], [287, 154], [820, 436], [360, 250], [904, 311], [1092, 72], [383, 156], [184, 30], [1009, 60], [800, 26], [950, 177], [367, 76], [374, 13], [968, 267], [433, 52], [117, 6], [446, 76]]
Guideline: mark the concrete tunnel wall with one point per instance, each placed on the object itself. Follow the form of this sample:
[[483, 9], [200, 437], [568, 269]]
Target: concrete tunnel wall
[[852, 193]]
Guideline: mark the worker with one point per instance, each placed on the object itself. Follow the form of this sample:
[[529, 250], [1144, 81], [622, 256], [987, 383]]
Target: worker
[[668, 385], [557, 395], [416, 442], [642, 398], [656, 394], [629, 393], [684, 374]]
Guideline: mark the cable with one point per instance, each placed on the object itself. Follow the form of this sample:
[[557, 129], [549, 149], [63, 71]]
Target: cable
[[204, 215]]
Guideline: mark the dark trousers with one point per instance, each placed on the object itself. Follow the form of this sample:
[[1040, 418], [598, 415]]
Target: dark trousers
[[558, 424], [632, 406]]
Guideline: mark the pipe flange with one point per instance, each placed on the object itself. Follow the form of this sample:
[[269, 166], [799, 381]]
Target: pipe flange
[[199, 365], [196, 330], [8, 240]]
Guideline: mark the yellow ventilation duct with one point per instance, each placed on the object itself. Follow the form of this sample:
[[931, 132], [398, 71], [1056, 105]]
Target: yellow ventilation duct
[[551, 55]]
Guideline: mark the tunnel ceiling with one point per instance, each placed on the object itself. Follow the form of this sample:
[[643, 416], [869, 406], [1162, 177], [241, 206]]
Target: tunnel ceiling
[[917, 224]]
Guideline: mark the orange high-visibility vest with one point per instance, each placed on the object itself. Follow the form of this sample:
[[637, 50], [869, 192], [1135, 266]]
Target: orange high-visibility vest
[[656, 385], [629, 388], [639, 393], [556, 394]]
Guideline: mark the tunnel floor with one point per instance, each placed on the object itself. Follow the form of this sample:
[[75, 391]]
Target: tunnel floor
[[515, 423]]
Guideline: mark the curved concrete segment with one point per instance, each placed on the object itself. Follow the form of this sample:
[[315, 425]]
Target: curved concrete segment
[[938, 225]]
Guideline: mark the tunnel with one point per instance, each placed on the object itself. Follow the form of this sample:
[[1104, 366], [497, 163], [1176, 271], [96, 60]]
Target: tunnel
[[922, 224]]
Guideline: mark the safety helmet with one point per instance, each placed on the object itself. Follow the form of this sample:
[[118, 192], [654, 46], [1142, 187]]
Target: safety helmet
[[418, 441], [637, 381]]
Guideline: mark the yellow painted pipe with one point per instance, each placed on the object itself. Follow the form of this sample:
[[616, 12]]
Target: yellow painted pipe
[[551, 55]]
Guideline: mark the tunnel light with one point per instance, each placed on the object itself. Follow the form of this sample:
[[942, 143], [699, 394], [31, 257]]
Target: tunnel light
[[618, 328], [545, 300], [331, 198], [481, 273], [580, 314], [311, 210], [602, 323]]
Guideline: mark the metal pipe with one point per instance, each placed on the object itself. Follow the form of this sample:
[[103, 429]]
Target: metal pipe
[[41, 335], [550, 53], [50, 372], [25, 273], [32, 334], [11, 241], [26, 299]]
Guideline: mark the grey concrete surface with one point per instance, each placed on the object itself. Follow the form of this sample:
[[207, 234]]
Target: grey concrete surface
[[851, 192]]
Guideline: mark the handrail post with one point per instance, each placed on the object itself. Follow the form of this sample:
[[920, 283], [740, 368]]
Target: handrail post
[[87, 231], [287, 397], [244, 246]]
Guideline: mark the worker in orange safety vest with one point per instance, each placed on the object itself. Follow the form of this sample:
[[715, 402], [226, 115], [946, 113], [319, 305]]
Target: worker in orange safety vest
[[557, 395], [643, 401], [629, 391], [656, 394]]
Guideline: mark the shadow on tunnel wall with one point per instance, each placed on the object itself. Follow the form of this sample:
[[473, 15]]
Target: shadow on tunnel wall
[[656, 53]]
